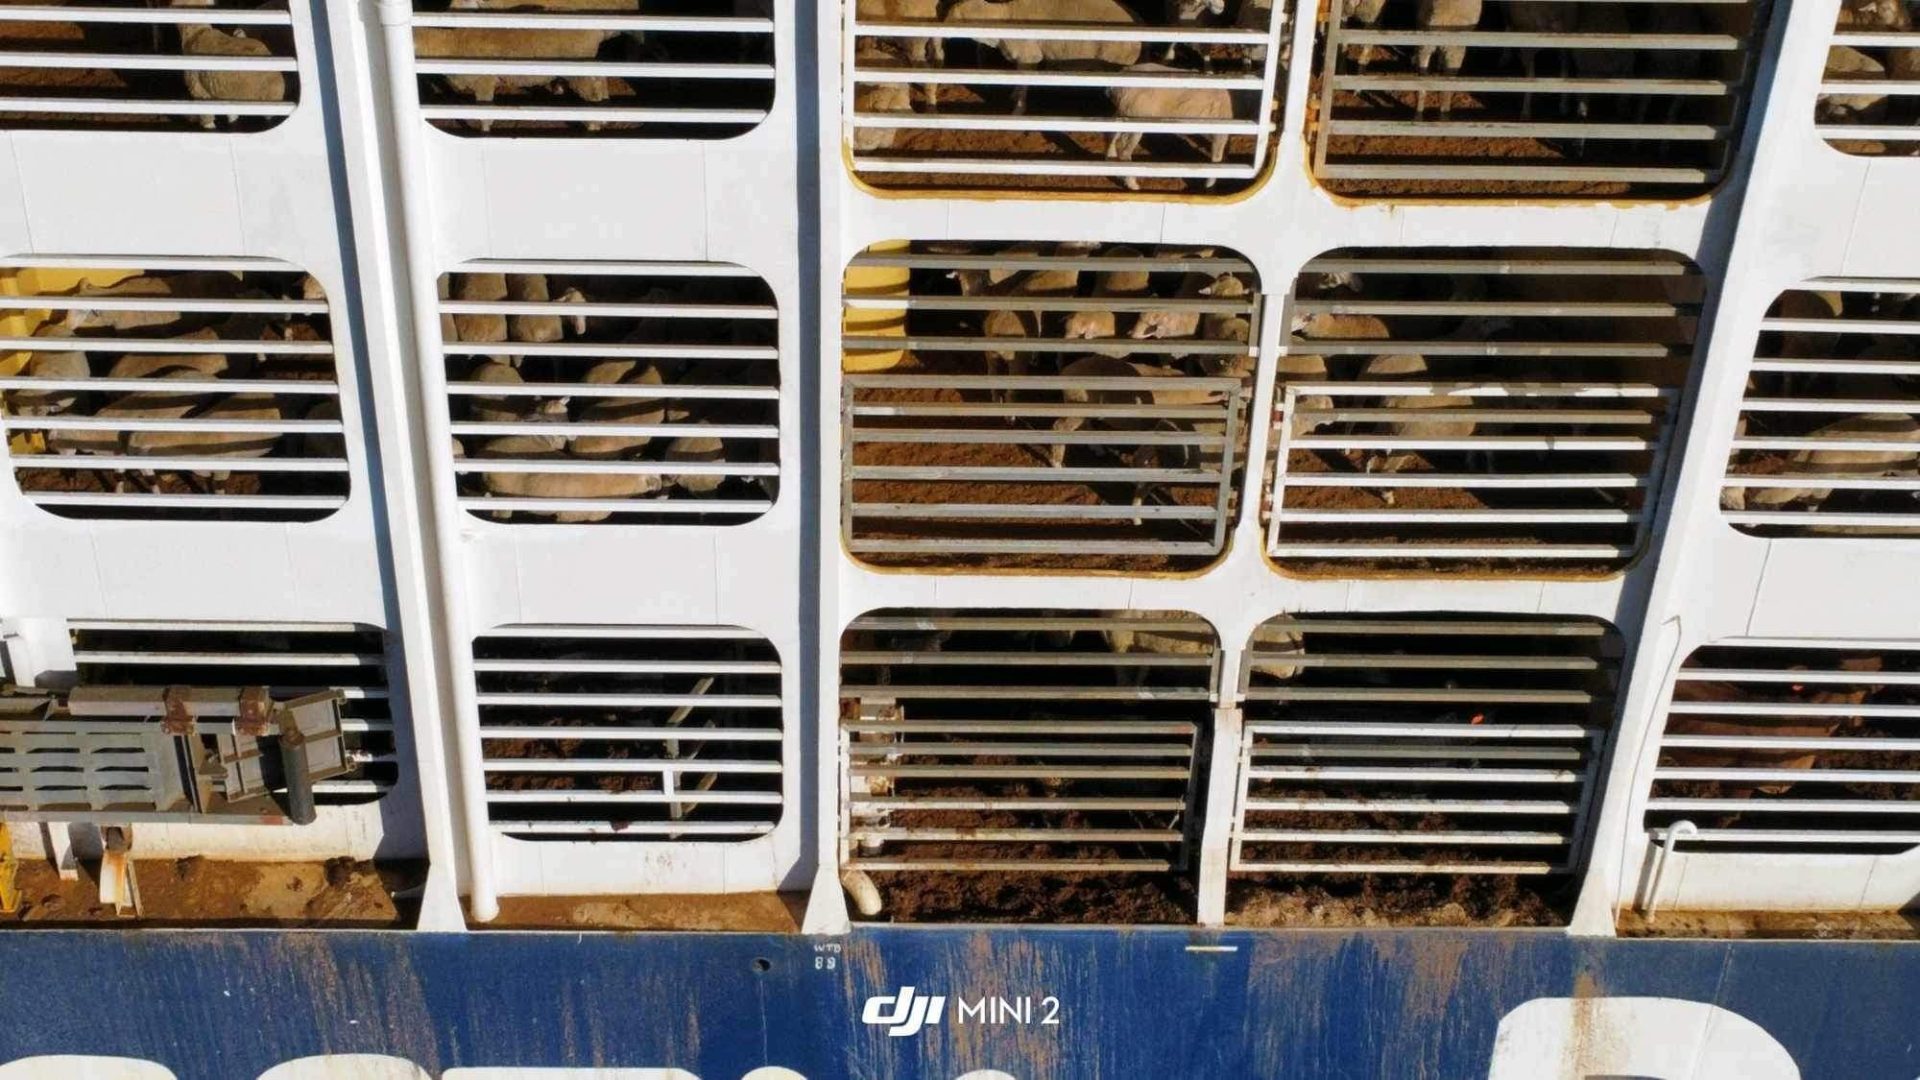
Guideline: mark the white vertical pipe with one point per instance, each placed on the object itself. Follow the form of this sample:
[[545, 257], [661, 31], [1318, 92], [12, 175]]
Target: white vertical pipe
[[416, 224]]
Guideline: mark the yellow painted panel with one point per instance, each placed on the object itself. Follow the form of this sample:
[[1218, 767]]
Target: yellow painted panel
[[876, 281]]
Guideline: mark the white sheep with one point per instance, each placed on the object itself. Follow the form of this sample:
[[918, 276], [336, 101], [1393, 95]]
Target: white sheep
[[1403, 368], [199, 39], [882, 97], [1877, 427], [1191, 13], [144, 405], [485, 43], [1178, 641], [1843, 63], [1170, 324], [480, 288], [540, 328], [488, 409], [1166, 103], [621, 410], [65, 366], [697, 450], [1444, 15], [1027, 53], [196, 284], [1110, 284], [921, 52], [215, 443]]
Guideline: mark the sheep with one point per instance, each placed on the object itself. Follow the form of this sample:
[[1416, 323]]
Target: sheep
[[1027, 53], [1166, 103], [1363, 14], [1843, 63], [216, 443], [199, 39], [1115, 284], [1225, 326], [1177, 323], [197, 284], [1443, 15], [698, 450], [1106, 367], [621, 410], [65, 366], [921, 52], [497, 410], [480, 288], [1877, 427], [1190, 13], [540, 329], [870, 98], [556, 485], [1175, 641], [324, 445], [144, 405], [1409, 367], [1538, 17], [1258, 15], [1680, 723], [483, 43]]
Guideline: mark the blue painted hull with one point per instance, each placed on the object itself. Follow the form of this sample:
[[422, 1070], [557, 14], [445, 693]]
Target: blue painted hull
[[1138, 1005]]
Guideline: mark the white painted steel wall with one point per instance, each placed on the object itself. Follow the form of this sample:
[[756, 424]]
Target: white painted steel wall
[[357, 189]]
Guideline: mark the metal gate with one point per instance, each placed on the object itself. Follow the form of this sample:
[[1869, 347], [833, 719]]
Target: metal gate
[[1420, 745]]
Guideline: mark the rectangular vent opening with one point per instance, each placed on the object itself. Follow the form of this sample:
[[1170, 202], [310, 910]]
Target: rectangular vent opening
[[1576, 98], [1391, 766], [622, 393], [1828, 440], [1803, 749], [1044, 406], [1470, 409], [190, 390], [658, 733], [1025, 766], [290, 659], [586, 68], [1869, 102], [184, 67], [1027, 94]]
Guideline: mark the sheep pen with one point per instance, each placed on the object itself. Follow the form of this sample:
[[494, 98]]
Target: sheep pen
[[1472, 410], [206, 392], [1045, 406], [1573, 98], [193, 65], [623, 394], [1083, 95]]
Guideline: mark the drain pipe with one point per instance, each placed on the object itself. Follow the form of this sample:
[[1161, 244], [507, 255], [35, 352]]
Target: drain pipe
[[1676, 832], [430, 374]]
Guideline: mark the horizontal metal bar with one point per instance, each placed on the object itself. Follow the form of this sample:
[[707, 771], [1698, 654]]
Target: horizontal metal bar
[[1411, 662], [1480, 732], [606, 268], [587, 733], [189, 502], [1036, 437], [594, 351], [169, 346], [570, 666], [1048, 866], [544, 466], [962, 658], [1037, 474], [1415, 775], [1044, 383], [1439, 627], [1836, 837], [1061, 30], [1793, 708], [641, 391], [1470, 442], [274, 658], [1623, 309], [570, 20], [627, 701], [123, 107], [1037, 771], [1796, 677], [577, 797], [1583, 39], [1029, 622], [111, 462], [589, 428], [1411, 838], [996, 302], [1468, 694], [1148, 410], [1877, 39], [182, 304], [1210, 264], [1790, 776], [571, 765], [181, 424], [1040, 750], [592, 309], [162, 626], [1555, 481], [1478, 85], [1025, 122], [668, 829], [1645, 174], [1861, 366], [1042, 836], [1544, 807], [589, 631], [1096, 346], [1008, 547], [1832, 744], [1052, 166], [1449, 551], [291, 387], [1459, 517], [950, 76], [577, 69], [1632, 266], [591, 114], [1612, 350], [1313, 867], [858, 803], [215, 16], [655, 504], [1030, 512], [146, 62], [1784, 806], [1518, 129], [1049, 726], [1027, 693]]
